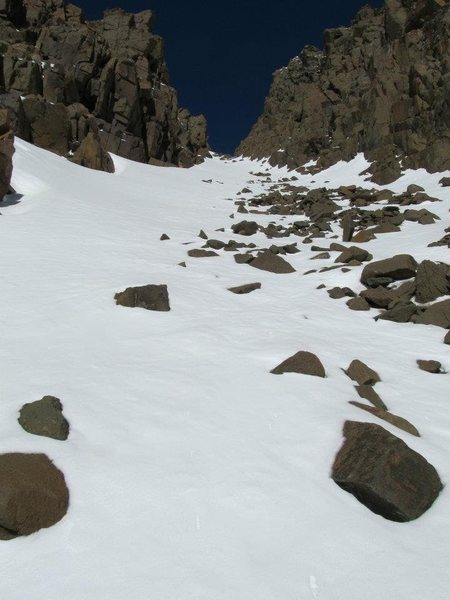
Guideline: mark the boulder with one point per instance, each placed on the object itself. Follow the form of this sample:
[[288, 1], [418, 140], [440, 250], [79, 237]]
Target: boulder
[[302, 362], [92, 155], [379, 297], [401, 313], [437, 314], [362, 374], [245, 228], [395, 420], [6, 152], [150, 297], [385, 474], [33, 494], [353, 253], [267, 261], [358, 304], [245, 289], [445, 182], [432, 281], [399, 267], [45, 417], [337, 293], [447, 339], [429, 366]]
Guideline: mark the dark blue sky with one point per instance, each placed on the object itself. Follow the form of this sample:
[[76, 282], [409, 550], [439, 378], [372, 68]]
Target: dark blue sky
[[221, 55]]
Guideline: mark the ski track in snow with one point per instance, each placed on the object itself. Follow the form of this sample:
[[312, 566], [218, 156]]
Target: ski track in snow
[[194, 473]]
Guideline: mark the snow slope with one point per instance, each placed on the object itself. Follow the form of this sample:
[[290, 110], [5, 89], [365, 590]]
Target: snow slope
[[194, 473]]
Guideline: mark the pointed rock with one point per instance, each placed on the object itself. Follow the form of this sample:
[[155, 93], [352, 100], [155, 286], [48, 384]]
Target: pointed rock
[[362, 374], [302, 362]]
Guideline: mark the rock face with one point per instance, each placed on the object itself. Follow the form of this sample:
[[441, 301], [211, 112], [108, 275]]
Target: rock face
[[64, 78], [379, 86], [33, 494], [6, 152], [384, 474], [150, 297], [45, 417]]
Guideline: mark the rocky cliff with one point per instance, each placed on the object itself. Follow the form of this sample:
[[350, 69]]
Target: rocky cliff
[[380, 86], [67, 80]]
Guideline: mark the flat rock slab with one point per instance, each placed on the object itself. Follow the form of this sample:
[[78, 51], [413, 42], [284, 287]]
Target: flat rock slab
[[395, 420], [45, 417], [305, 363], [384, 474], [199, 253], [267, 261], [362, 374], [401, 266], [33, 494], [150, 297], [368, 393], [245, 289]]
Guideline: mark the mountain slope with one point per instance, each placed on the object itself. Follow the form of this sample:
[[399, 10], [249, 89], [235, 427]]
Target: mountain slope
[[193, 471], [380, 86]]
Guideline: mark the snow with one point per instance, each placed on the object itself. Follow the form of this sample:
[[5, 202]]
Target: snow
[[194, 473]]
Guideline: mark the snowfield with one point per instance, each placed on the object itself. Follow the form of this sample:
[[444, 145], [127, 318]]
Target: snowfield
[[194, 473]]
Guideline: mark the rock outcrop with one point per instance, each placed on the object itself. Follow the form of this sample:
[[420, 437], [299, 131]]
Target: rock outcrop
[[6, 153], [65, 78], [380, 86]]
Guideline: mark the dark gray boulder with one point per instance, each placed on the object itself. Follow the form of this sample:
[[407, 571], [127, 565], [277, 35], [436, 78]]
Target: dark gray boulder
[[33, 494], [150, 297], [45, 417], [385, 474]]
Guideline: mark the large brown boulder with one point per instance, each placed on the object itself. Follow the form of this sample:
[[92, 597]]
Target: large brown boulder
[[150, 297], [92, 155], [305, 363], [384, 474], [361, 373], [267, 261], [432, 281], [6, 152], [437, 314], [33, 494], [401, 266]]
